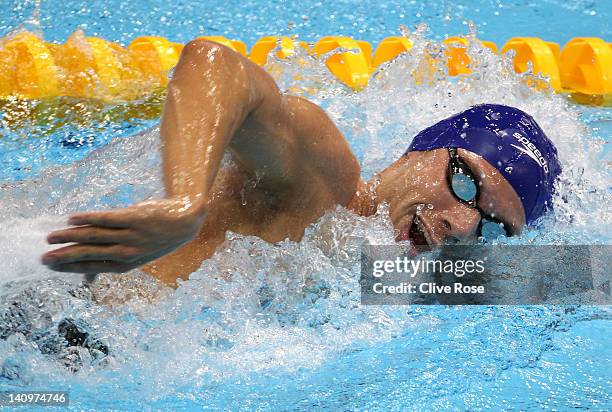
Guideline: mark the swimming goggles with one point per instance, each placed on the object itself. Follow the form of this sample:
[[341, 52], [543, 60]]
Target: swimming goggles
[[464, 187]]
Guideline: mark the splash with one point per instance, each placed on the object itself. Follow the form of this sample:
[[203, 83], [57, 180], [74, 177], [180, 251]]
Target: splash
[[256, 312]]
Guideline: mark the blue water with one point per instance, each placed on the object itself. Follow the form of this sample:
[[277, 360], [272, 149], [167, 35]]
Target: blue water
[[370, 20], [310, 346]]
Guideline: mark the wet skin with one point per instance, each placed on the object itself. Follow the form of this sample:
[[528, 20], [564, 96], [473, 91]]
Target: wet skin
[[292, 164], [416, 186]]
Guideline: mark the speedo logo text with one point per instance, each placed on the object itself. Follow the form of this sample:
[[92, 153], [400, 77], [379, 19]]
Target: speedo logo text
[[530, 150]]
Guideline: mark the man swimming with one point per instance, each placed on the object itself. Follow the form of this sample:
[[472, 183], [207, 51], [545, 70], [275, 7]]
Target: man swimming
[[484, 172]]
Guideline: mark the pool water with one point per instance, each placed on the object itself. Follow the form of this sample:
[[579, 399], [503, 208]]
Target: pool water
[[287, 332]]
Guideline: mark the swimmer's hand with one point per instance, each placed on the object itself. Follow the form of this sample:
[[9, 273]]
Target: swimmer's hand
[[123, 239]]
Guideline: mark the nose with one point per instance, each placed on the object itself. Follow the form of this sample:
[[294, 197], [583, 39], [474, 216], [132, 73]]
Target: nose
[[461, 221]]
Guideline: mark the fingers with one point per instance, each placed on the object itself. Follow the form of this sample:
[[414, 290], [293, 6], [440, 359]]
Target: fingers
[[84, 253], [119, 218], [93, 267], [91, 235]]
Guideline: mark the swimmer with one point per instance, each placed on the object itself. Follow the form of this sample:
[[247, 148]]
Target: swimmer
[[481, 173]]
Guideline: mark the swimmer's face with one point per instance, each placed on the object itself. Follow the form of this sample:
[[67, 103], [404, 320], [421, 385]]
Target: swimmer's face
[[424, 209]]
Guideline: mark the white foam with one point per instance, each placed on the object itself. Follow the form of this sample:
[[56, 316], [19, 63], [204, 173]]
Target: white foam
[[22, 243]]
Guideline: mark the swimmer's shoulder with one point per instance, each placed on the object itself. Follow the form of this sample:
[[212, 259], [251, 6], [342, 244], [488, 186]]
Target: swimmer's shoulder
[[323, 149]]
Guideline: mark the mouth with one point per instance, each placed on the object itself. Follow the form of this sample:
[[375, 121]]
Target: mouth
[[415, 233]]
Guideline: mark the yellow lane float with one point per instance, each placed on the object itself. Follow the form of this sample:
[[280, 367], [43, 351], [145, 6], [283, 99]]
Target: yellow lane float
[[351, 67], [389, 48], [262, 48], [95, 68], [457, 59], [91, 67], [155, 56], [586, 68], [31, 71], [7, 68], [543, 56]]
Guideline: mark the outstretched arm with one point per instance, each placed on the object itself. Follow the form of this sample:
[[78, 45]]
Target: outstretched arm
[[216, 99]]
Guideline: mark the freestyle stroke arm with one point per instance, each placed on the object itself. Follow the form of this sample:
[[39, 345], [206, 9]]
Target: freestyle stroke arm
[[216, 100]]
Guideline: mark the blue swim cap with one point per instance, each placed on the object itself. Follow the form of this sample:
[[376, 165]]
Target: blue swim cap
[[511, 141]]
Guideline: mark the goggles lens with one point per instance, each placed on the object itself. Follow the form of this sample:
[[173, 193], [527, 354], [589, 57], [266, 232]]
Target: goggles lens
[[464, 186], [491, 230]]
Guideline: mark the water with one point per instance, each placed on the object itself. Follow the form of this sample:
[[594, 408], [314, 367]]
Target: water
[[268, 327], [370, 20]]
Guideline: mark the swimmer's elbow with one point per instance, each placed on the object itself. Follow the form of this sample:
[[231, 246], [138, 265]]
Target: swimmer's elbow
[[258, 86], [201, 49]]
